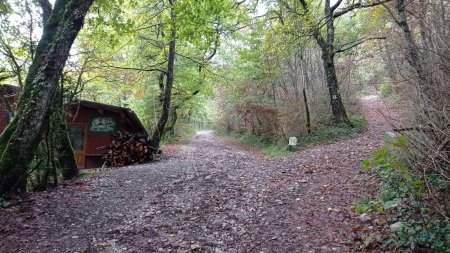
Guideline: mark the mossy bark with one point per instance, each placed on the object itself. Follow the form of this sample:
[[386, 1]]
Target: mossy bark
[[328, 54], [170, 127], [337, 106], [62, 147], [21, 137], [326, 44], [65, 154], [308, 117], [166, 102]]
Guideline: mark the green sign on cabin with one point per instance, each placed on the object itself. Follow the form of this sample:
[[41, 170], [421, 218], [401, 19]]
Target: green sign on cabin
[[102, 125]]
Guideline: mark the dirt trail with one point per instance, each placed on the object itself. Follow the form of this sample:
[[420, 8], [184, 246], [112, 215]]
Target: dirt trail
[[208, 196]]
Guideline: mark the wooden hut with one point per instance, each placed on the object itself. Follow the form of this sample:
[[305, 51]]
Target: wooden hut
[[91, 125]]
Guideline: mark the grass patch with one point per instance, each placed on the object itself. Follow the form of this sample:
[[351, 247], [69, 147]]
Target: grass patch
[[87, 174], [267, 147], [327, 135], [359, 123], [335, 133], [323, 135]]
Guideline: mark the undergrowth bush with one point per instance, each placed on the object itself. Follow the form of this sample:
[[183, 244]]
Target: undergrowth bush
[[404, 196]]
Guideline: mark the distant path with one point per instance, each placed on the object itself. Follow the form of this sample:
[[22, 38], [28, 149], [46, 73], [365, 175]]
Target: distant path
[[208, 196]]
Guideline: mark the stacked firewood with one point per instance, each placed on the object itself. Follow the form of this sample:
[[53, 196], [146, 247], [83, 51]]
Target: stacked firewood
[[128, 148]]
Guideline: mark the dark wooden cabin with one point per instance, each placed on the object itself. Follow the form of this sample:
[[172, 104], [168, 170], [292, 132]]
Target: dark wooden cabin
[[91, 125]]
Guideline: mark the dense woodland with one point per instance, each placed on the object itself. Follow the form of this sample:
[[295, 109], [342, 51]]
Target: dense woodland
[[260, 71]]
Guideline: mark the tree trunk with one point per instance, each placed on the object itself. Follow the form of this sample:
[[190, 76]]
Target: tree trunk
[[159, 130], [308, 117], [337, 106], [414, 59], [161, 87], [327, 47], [60, 136], [64, 152], [170, 127], [20, 139]]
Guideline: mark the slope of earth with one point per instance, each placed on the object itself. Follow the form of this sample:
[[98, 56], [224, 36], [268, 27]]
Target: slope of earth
[[207, 196]]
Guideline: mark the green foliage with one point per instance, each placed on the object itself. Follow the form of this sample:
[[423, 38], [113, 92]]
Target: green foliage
[[322, 135], [362, 207], [267, 147], [327, 135], [359, 123], [388, 165], [4, 7], [88, 174], [184, 132], [426, 233], [403, 195], [386, 90], [130, 40]]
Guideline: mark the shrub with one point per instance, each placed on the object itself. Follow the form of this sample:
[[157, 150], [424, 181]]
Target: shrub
[[431, 234], [405, 196]]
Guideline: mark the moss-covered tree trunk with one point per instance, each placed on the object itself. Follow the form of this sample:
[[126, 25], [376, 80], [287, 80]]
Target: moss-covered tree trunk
[[337, 106], [328, 54], [166, 102], [327, 45], [20, 139], [64, 152], [308, 117]]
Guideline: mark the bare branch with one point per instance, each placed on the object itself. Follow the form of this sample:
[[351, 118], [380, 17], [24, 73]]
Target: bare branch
[[357, 6], [136, 69], [350, 45]]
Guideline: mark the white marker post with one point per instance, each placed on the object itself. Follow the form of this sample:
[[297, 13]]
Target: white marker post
[[292, 143]]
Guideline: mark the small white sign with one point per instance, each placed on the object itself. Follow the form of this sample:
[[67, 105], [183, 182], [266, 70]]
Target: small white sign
[[293, 141]]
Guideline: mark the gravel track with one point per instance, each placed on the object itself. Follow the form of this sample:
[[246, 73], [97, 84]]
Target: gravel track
[[208, 196]]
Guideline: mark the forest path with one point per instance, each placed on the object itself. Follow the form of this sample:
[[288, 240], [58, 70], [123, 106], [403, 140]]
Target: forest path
[[208, 196]]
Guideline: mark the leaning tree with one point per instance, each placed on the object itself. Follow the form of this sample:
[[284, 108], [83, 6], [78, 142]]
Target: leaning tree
[[20, 139]]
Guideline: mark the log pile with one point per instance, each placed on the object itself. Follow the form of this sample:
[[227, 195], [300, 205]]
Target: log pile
[[128, 148]]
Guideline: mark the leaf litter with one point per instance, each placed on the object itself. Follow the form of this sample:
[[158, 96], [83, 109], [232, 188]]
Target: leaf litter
[[208, 195]]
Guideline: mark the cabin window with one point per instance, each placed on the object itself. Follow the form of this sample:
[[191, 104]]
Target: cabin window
[[76, 134]]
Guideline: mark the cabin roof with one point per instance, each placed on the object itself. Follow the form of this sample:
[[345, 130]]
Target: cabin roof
[[11, 92], [117, 109]]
